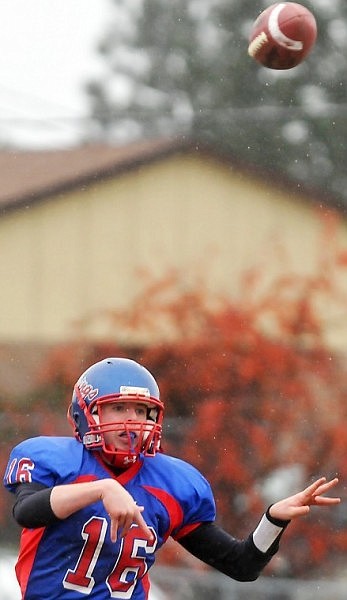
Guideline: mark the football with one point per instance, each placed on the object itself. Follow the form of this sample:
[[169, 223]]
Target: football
[[282, 35]]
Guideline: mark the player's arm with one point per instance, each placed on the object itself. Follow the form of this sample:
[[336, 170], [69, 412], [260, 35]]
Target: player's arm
[[242, 560], [36, 506], [32, 507]]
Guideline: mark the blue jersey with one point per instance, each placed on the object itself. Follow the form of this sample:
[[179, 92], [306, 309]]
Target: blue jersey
[[75, 558]]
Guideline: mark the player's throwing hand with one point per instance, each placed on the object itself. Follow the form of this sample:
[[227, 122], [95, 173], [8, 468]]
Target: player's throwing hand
[[299, 504], [122, 510]]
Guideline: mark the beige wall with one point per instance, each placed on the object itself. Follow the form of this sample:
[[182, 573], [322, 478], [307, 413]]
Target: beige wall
[[76, 254]]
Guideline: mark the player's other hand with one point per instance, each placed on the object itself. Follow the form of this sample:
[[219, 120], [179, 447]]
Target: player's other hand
[[299, 504], [122, 509]]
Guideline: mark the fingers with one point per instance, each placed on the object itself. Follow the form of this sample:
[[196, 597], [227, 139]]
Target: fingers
[[326, 501], [320, 486], [298, 511], [299, 504], [313, 487], [143, 525], [114, 530], [325, 487], [126, 521], [122, 510], [322, 489], [313, 494]]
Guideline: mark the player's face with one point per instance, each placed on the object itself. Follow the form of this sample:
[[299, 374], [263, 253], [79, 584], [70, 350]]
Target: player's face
[[121, 412]]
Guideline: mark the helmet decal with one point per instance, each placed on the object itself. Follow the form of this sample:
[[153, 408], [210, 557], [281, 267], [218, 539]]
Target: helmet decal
[[86, 389]]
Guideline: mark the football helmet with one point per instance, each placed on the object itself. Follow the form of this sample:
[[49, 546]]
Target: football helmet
[[117, 380]]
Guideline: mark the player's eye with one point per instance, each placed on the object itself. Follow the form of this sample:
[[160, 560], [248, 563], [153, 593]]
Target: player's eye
[[118, 408]]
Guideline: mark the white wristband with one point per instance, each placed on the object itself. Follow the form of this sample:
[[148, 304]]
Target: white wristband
[[265, 534]]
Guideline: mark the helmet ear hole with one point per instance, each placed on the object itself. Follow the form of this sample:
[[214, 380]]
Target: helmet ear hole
[[75, 420]]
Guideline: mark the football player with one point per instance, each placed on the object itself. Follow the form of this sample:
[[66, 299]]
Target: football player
[[95, 508]]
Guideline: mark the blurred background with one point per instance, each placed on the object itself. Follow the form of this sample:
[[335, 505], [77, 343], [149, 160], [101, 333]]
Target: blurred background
[[166, 198]]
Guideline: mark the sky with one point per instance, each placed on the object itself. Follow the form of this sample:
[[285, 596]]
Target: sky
[[47, 53]]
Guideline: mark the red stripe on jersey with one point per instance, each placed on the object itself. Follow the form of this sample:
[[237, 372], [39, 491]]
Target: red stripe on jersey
[[172, 506], [29, 542], [185, 530]]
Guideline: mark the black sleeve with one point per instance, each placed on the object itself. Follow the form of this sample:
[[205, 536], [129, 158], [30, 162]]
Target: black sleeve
[[32, 507], [239, 559]]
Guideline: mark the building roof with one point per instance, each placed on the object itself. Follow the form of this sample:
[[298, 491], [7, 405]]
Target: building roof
[[29, 176]]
